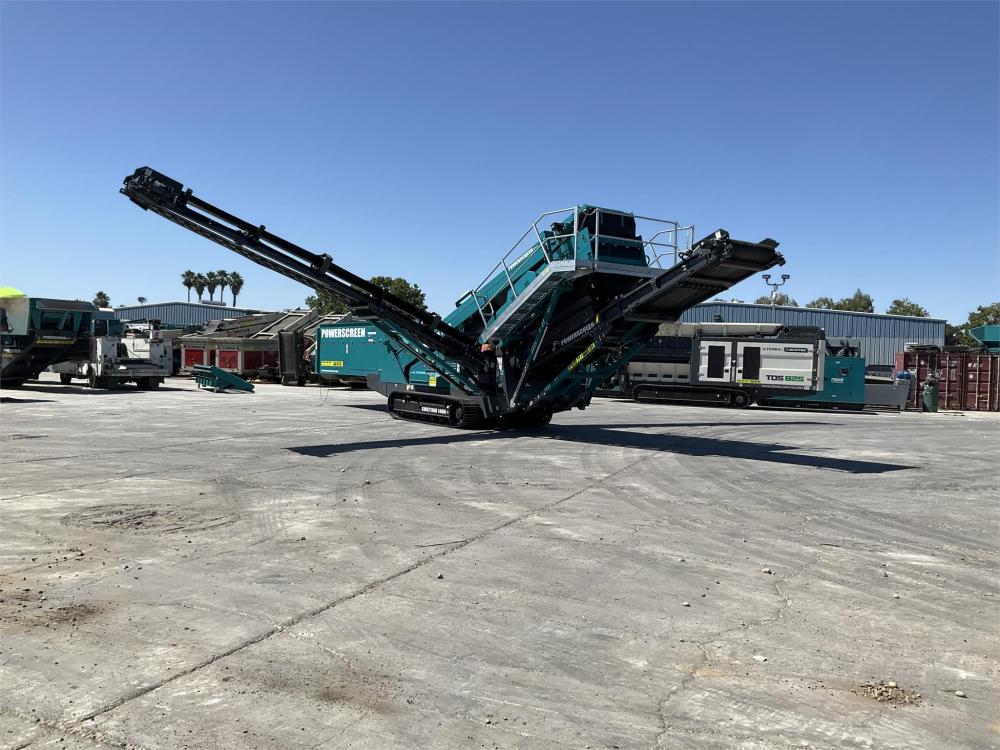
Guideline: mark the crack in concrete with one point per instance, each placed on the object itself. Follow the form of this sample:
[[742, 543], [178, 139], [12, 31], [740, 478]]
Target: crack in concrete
[[701, 645], [53, 728]]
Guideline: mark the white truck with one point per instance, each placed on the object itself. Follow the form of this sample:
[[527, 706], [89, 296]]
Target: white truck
[[727, 363], [111, 364]]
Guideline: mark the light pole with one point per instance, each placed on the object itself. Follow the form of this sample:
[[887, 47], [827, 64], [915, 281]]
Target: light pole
[[775, 284]]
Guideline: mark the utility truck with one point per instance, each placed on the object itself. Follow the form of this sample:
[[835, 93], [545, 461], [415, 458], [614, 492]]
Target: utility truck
[[110, 364]]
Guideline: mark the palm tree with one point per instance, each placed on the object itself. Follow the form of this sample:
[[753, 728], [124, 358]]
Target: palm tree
[[200, 282], [101, 299], [235, 285], [223, 278], [142, 300], [187, 279], [212, 282]]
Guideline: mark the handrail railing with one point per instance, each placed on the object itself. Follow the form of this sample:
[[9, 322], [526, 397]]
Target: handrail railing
[[502, 263], [670, 244]]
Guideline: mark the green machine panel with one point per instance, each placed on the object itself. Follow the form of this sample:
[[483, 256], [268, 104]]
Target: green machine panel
[[843, 383], [355, 349]]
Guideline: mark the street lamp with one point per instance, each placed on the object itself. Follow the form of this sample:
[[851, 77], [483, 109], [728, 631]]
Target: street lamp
[[775, 284]]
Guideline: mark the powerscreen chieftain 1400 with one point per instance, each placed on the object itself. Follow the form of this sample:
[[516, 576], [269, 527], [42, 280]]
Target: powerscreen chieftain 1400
[[561, 312]]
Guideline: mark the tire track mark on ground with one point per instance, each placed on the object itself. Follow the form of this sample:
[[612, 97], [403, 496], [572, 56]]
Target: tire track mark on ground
[[366, 589]]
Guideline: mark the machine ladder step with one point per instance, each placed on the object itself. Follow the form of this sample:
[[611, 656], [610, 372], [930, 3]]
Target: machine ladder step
[[524, 304]]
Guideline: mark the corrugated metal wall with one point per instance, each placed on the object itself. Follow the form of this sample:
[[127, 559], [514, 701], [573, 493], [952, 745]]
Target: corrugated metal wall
[[181, 313], [882, 336]]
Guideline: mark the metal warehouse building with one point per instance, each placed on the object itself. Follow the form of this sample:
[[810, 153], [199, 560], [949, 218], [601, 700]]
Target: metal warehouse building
[[180, 314], [881, 336]]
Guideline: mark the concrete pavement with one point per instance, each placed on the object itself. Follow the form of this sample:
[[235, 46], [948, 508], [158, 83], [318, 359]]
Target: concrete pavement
[[292, 568]]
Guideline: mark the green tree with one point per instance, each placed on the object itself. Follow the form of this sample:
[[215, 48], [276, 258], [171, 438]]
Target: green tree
[[223, 278], [101, 299], [235, 285], [200, 282], [403, 289], [187, 279], [906, 306], [327, 304], [211, 283], [958, 335], [780, 298], [822, 303], [857, 302], [985, 315]]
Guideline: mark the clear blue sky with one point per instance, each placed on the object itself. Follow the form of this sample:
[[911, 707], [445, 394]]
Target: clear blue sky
[[420, 139]]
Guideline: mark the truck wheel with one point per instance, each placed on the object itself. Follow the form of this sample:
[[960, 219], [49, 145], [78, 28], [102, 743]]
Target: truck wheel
[[152, 384], [92, 380], [65, 378], [741, 400]]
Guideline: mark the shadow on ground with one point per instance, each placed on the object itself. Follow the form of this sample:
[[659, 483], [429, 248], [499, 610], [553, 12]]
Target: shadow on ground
[[371, 407], [601, 435], [84, 389]]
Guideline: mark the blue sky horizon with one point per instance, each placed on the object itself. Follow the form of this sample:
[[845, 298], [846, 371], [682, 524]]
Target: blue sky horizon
[[421, 139]]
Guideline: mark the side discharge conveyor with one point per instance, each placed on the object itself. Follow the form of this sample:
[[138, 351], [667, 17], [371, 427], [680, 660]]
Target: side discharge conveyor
[[564, 310]]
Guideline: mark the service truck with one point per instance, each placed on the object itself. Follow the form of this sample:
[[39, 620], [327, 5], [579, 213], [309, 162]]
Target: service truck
[[109, 363]]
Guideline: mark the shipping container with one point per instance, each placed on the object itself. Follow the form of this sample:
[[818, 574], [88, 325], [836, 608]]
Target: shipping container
[[242, 356], [191, 356], [966, 382]]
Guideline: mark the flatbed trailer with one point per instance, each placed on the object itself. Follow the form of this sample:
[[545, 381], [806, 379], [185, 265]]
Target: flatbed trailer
[[562, 311]]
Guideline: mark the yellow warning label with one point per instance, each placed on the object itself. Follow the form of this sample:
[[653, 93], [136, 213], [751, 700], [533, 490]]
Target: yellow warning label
[[432, 380], [332, 363], [747, 381], [583, 355]]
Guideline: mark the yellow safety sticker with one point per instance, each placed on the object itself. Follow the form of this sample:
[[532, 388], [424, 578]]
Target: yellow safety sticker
[[432, 380], [332, 363], [583, 356], [747, 381]]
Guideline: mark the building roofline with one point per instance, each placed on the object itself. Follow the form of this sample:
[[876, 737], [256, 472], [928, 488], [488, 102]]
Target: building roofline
[[822, 310], [198, 305]]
